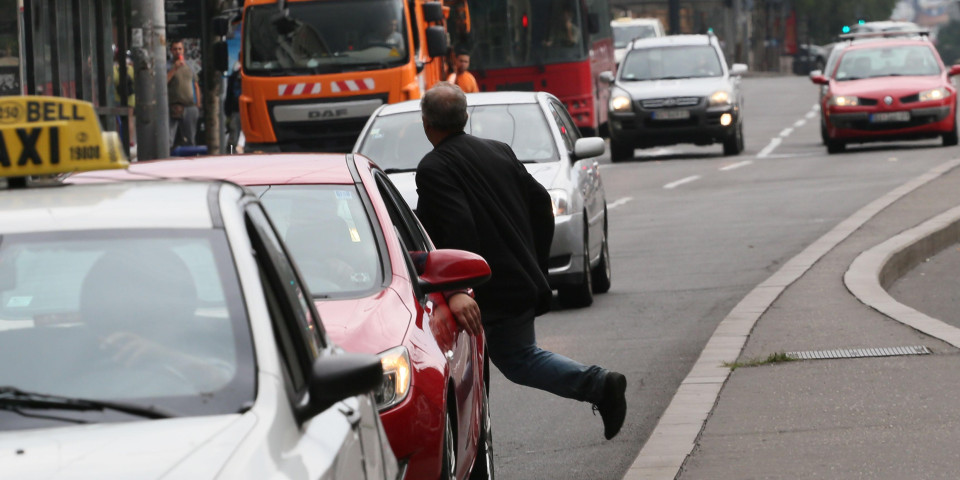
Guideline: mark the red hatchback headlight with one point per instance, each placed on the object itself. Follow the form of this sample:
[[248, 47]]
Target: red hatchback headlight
[[396, 377]]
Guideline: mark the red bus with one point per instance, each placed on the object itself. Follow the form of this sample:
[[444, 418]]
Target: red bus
[[558, 46]]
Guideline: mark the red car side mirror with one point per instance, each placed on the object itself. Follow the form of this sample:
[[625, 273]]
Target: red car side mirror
[[819, 79], [954, 70], [448, 269]]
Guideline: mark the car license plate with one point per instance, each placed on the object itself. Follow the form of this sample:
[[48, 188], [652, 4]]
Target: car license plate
[[884, 117], [671, 114]]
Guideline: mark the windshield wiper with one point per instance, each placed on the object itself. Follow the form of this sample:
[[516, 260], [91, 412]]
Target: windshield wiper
[[673, 78], [12, 398], [399, 170]]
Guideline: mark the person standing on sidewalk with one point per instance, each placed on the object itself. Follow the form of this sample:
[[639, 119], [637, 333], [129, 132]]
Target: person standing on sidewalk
[[475, 195], [462, 77], [183, 91]]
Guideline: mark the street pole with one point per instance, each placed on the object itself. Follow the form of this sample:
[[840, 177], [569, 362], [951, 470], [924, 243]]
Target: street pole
[[149, 44], [674, 16]]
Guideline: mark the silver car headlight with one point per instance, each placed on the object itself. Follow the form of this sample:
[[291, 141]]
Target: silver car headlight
[[621, 103], [934, 94], [561, 202], [844, 101], [721, 98], [396, 377]]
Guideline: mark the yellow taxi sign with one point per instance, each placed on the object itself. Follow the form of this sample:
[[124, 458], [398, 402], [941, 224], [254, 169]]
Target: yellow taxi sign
[[51, 135]]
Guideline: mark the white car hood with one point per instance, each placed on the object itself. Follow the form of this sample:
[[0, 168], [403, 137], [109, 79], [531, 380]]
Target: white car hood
[[406, 183], [190, 447], [687, 87]]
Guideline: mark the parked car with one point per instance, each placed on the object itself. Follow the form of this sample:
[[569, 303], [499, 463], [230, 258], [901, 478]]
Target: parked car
[[809, 58], [542, 134], [894, 88], [377, 280], [675, 89], [158, 329], [626, 30]]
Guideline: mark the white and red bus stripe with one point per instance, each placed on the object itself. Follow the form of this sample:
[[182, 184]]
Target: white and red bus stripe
[[360, 85]]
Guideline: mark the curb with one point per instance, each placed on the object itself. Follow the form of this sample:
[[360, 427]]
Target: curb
[[675, 436]]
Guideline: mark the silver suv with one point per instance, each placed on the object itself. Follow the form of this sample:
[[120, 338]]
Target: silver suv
[[675, 89]]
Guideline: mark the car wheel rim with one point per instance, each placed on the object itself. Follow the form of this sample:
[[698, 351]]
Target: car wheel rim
[[448, 450], [488, 434]]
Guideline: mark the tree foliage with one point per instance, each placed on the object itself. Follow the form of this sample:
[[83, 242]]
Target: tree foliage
[[948, 42], [825, 19]]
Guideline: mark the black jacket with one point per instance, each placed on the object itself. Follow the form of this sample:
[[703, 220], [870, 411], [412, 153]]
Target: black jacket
[[475, 195]]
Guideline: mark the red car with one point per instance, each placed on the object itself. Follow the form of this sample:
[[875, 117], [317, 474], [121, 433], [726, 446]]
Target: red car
[[887, 89], [377, 282]]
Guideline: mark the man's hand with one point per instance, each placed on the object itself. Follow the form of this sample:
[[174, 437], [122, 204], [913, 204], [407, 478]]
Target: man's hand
[[466, 311]]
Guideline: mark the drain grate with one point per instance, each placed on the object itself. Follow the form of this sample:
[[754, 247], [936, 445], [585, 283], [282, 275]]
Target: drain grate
[[859, 353]]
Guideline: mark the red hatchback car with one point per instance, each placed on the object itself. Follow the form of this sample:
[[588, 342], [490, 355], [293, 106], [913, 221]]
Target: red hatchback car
[[377, 282], [888, 89]]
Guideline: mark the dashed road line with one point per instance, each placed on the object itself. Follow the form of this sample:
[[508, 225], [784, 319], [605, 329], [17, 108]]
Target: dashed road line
[[774, 142], [618, 202], [682, 181], [736, 165]]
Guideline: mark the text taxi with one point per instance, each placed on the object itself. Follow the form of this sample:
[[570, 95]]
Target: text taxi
[[158, 329]]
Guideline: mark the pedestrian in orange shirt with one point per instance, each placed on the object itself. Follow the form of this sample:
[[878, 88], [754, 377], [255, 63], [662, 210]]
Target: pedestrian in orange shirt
[[460, 76]]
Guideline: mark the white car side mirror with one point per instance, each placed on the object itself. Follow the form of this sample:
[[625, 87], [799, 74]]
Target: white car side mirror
[[738, 69], [588, 147]]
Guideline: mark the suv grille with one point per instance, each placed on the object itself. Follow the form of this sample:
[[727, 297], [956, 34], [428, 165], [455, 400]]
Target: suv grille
[[671, 102]]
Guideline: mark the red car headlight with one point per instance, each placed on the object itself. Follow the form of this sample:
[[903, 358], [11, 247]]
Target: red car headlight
[[934, 94], [396, 377]]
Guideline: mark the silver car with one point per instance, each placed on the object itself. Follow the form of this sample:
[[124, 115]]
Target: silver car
[[545, 139]]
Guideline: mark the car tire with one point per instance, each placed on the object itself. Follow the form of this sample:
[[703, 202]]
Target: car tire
[[951, 138], [835, 146], [620, 150], [733, 145], [483, 468], [448, 465], [581, 294], [602, 273], [823, 134]]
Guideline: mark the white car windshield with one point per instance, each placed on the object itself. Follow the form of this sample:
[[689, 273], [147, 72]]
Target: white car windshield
[[397, 142], [147, 318], [669, 63]]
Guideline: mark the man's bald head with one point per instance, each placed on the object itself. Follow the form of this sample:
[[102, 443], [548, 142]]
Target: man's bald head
[[444, 108]]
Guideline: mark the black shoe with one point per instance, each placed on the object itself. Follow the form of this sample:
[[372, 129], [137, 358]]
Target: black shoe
[[613, 405]]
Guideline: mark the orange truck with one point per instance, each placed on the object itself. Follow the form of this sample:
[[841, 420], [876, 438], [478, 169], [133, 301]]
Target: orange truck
[[312, 71]]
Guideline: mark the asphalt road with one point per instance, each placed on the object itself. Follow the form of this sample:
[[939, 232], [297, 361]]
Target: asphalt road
[[691, 232]]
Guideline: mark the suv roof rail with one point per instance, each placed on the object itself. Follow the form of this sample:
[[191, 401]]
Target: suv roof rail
[[888, 34]]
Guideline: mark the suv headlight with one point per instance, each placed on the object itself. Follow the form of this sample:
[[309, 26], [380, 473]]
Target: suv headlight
[[560, 201], [396, 378], [621, 103], [844, 101], [934, 94], [720, 98]]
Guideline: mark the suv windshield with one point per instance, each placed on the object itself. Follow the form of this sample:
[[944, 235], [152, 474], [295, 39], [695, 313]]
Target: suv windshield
[[623, 34], [324, 37], [397, 142], [667, 63], [148, 319], [527, 32], [918, 60], [329, 236]]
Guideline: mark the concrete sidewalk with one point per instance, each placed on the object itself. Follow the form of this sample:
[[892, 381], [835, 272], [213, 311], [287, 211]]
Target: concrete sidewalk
[[878, 406]]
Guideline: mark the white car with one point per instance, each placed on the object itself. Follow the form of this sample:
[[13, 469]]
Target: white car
[[626, 30], [547, 142], [158, 329]]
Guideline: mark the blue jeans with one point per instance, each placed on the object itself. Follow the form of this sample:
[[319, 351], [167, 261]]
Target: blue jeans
[[512, 346]]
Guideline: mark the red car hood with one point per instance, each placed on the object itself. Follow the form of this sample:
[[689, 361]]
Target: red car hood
[[366, 325], [880, 86]]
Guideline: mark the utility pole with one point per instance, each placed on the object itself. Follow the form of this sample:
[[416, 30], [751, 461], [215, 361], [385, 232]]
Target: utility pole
[[149, 44], [674, 16]]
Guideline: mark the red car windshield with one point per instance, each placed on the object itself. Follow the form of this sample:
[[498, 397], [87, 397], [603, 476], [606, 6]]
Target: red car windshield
[[888, 61]]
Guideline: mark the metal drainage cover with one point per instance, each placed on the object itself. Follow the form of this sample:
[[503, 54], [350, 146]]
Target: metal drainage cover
[[859, 352]]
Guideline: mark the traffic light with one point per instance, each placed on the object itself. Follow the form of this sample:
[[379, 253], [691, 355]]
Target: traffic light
[[846, 29], [861, 21]]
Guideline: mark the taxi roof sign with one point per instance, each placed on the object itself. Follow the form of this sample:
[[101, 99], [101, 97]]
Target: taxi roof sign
[[52, 135]]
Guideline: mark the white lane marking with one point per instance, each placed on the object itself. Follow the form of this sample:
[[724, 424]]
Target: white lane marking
[[736, 165], [689, 179], [620, 201], [774, 142], [816, 107], [800, 123], [786, 132]]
